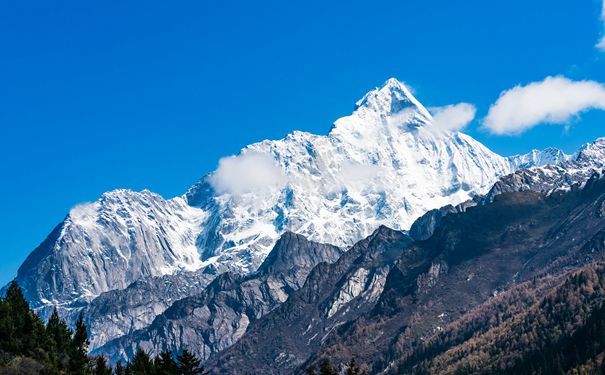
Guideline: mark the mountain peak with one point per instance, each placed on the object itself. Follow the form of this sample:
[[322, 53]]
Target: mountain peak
[[390, 98], [592, 151]]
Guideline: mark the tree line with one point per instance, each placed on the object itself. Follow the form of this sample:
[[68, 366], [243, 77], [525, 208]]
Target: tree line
[[29, 346]]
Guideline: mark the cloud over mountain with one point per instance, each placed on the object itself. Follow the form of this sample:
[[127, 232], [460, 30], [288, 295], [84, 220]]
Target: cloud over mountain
[[247, 173], [453, 117], [555, 100]]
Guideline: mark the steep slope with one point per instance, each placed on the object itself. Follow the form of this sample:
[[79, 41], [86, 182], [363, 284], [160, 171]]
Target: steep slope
[[383, 165], [588, 160], [331, 295], [548, 156], [120, 312], [109, 244], [472, 256], [548, 334], [126, 258], [217, 317]]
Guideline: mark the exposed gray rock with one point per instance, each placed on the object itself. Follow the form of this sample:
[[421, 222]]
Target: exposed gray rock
[[471, 257], [424, 227], [563, 176], [217, 317], [332, 295]]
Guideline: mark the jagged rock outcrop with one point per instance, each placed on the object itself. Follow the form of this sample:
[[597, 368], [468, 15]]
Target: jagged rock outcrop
[[385, 164], [471, 257], [589, 160], [332, 295], [217, 317]]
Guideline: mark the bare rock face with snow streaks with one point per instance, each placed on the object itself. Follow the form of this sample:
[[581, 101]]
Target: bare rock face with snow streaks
[[385, 164]]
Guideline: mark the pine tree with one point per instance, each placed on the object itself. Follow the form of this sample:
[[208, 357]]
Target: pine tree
[[165, 364], [80, 339], [352, 368], [101, 367], [189, 364], [59, 341], [326, 368], [79, 348], [141, 363], [21, 333], [119, 368]]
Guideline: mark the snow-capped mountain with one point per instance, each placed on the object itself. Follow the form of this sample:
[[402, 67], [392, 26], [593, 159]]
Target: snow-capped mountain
[[111, 243], [576, 170], [385, 164], [548, 156]]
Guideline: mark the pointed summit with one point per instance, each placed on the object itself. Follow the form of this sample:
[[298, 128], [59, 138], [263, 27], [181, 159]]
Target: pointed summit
[[392, 97]]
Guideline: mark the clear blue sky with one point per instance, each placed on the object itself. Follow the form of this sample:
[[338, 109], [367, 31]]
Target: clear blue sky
[[102, 95]]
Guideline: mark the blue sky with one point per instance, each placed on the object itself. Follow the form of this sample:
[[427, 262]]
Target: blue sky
[[102, 95]]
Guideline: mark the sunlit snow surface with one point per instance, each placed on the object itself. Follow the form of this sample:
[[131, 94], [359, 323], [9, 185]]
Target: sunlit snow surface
[[384, 164]]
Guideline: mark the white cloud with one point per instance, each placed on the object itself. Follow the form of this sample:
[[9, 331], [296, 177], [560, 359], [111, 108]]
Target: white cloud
[[356, 176], [601, 44], [358, 173], [247, 173], [453, 117], [554, 101]]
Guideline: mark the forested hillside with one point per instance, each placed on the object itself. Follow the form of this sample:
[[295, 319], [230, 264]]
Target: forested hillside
[[28, 346], [516, 333]]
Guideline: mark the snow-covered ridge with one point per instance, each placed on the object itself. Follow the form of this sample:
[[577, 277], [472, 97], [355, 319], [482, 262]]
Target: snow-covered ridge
[[382, 165], [548, 156], [385, 164], [574, 169], [110, 243]]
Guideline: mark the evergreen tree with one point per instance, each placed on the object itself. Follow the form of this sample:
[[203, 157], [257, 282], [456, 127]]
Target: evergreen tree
[[20, 336], [59, 341], [165, 364], [352, 368], [101, 367], [326, 368], [141, 363], [80, 340], [119, 368], [189, 364], [79, 348]]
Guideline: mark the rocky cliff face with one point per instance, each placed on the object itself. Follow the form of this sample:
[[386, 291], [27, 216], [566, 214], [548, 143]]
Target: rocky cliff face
[[128, 256], [218, 316], [471, 257], [109, 244], [589, 160], [383, 165]]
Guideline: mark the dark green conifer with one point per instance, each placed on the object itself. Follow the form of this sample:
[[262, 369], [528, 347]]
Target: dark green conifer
[[352, 368], [21, 330], [119, 368], [141, 363], [189, 364], [101, 367], [326, 368], [165, 364], [79, 348]]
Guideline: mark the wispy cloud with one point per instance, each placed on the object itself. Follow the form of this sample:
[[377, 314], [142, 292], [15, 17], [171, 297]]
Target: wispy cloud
[[554, 101], [247, 173], [359, 176], [453, 117]]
